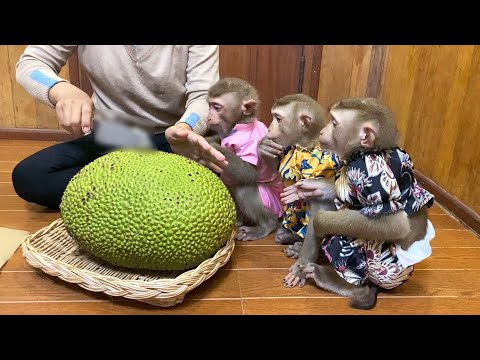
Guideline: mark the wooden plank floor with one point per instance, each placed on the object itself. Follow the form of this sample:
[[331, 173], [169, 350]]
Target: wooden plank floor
[[251, 283]]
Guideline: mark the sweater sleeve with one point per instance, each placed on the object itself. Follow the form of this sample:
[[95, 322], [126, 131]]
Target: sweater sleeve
[[38, 67], [202, 72]]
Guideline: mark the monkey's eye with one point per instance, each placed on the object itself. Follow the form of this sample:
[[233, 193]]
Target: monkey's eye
[[334, 123], [216, 107], [278, 118]]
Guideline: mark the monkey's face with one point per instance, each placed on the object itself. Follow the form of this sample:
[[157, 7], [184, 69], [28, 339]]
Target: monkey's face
[[284, 128], [340, 135], [223, 113]]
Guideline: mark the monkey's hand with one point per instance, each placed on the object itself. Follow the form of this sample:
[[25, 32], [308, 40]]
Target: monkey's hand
[[290, 194], [238, 171], [313, 271], [393, 250], [269, 149], [293, 251], [296, 275], [357, 242], [184, 141], [321, 188]]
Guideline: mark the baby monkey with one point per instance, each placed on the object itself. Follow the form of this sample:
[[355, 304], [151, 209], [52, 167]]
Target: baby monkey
[[381, 227], [293, 147], [254, 186]]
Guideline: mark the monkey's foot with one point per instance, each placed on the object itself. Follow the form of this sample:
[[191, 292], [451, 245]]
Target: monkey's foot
[[295, 276], [361, 297], [286, 237], [252, 232], [365, 298], [312, 271], [293, 251], [239, 221]]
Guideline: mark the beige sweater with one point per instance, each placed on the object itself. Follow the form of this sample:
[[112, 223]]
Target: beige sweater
[[162, 83]]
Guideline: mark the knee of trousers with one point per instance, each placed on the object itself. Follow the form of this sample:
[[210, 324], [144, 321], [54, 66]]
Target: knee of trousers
[[26, 178]]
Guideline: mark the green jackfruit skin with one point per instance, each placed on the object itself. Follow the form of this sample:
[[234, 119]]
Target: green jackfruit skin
[[148, 210]]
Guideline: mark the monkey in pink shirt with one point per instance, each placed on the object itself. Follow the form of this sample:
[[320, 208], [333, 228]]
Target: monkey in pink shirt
[[243, 141]]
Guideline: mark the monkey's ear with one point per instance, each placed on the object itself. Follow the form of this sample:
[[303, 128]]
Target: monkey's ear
[[305, 119], [368, 134], [248, 107]]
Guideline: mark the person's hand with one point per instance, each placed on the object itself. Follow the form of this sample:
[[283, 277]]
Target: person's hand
[[305, 189], [184, 141], [73, 106]]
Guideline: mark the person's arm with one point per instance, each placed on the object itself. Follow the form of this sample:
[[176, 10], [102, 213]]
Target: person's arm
[[37, 71], [202, 72], [38, 67]]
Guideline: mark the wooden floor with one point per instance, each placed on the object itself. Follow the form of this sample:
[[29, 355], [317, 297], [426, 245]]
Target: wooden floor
[[251, 283]]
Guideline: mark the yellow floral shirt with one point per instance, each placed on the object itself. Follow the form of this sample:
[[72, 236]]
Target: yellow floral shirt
[[303, 163]]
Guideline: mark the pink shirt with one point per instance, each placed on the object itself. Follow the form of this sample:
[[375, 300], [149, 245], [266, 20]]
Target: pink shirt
[[243, 141]]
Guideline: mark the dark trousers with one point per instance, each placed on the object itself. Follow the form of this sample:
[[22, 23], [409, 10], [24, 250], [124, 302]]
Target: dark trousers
[[42, 177]]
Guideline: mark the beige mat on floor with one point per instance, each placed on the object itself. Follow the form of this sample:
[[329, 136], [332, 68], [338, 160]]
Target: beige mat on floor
[[10, 240]]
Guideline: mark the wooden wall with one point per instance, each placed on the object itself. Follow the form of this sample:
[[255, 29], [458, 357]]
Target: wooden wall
[[434, 91], [18, 109], [343, 72]]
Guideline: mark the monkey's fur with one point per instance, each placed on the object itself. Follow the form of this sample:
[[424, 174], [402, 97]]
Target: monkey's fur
[[366, 124], [233, 101], [297, 120]]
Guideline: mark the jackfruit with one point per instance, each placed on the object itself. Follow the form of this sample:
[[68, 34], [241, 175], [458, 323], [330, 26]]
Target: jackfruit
[[148, 210]]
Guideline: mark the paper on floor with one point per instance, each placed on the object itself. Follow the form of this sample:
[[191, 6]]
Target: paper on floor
[[10, 240]]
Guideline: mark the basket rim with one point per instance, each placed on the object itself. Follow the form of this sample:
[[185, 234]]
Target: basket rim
[[181, 284]]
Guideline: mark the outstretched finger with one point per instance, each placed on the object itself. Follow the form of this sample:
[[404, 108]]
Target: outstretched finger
[[86, 118], [268, 154], [273, 144], [216, 155], [308, 185], [288, 191], [289, 199], [210, 151], [210, 157], [290, 188], [214, 167], [60, 114], [272, 150], [211, 165]]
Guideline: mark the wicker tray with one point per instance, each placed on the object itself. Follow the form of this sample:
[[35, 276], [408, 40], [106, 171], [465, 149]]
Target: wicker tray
[[53, 251]]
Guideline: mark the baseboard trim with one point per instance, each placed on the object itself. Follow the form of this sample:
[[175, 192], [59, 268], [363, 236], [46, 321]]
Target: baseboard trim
[[35, 134], [468, 216]]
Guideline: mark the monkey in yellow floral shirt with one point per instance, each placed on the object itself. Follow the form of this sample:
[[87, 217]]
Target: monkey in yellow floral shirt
[[297, 164]]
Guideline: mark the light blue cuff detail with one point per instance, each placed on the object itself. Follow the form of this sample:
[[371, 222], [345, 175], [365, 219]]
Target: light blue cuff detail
[[43, 79], [192, 120]]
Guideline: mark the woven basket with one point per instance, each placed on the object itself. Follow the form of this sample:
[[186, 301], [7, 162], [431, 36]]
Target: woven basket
[[53, 250]]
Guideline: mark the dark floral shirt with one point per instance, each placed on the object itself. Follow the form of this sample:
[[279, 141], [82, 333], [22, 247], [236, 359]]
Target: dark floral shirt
[[380, 183]]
